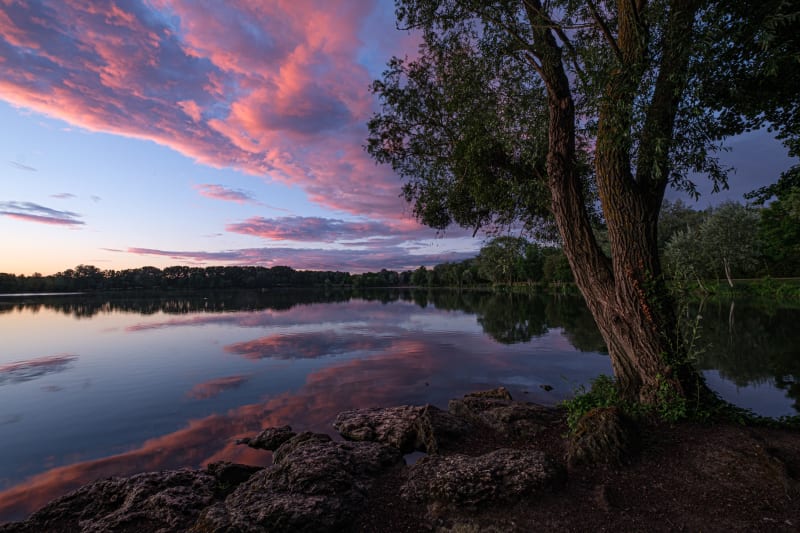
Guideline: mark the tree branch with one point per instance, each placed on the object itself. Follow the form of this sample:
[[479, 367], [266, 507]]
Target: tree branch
[[536, 66], [573, 54], [601, 24], [590, 265], [531, 55], [654, 146]]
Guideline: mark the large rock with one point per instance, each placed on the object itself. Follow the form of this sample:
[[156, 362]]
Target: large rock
[[315, 484], [438, 431], [407, 428], [602, 436], [298, 441], [156, 501], [497, 410], [230, 475], [395, 426], [503, 475]]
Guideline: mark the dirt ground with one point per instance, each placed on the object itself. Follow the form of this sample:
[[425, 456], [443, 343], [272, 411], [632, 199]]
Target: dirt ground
[[686, 477]]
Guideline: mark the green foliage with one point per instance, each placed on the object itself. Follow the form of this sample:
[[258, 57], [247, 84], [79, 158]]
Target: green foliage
[[420, 277], [556, 267], [461, 124], [90, 278], [671, 406], [676, 217], [603, 393], [725, 244], [744, 241], [730, 236], [509, 260], [779, 230], [756, 48], [504, 261], [466, 121]]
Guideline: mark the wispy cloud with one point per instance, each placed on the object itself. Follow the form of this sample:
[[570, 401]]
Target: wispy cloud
[[63, 196], [315, 229], [355, 233], [394, 258], [220, 192], [275, 89], [31, 212], [21, 166]]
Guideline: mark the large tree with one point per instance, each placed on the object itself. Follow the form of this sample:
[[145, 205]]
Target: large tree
[[527, 111]]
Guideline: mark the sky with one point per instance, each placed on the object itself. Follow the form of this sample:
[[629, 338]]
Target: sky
[[165, 132]]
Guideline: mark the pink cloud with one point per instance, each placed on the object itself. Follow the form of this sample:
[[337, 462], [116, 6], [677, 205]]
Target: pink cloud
[[393, 258], [275, 89], [43, 220], [354, 233], [314, 229], [219, 192], [31, 212]]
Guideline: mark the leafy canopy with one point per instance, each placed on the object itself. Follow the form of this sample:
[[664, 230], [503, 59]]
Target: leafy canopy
[[466, 122]]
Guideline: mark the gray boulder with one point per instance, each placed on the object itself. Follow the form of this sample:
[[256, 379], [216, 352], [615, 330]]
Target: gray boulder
[[155, 501], [503, 475], [497, 410], [315, 484], [395, 426], [407, 428]]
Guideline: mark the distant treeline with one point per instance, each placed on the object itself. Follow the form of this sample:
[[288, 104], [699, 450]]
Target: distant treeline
[[91, 278], [506, 260]]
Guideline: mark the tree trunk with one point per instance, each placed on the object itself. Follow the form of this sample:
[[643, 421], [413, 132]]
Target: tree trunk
[[726, 267], [625, 294]]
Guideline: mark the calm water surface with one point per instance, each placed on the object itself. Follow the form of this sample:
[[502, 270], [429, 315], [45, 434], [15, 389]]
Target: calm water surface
[[93, 386]]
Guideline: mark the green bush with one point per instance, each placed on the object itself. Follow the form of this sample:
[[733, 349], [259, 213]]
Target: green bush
[[603, 393]]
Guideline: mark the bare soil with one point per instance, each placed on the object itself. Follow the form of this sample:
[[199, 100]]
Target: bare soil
[[686, 477]]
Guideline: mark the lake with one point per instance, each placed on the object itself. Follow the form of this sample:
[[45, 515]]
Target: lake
[[98, 385]]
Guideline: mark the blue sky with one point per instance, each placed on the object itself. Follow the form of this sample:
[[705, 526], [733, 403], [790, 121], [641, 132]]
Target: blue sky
[[176, 132]]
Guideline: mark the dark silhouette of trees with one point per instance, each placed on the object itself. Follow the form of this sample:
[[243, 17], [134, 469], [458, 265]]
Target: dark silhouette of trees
[[89, 278]]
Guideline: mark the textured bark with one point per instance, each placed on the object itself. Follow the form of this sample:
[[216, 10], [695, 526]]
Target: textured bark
[[625, 294]]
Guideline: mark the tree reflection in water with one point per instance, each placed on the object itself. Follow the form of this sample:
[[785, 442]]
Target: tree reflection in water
[[754, 344], [748, 344]]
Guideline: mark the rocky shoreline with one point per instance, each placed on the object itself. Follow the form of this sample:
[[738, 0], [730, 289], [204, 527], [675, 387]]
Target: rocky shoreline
[[488, 463]]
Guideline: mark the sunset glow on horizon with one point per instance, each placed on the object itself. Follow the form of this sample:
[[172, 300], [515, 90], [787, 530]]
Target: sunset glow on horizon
[[163, 132]]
